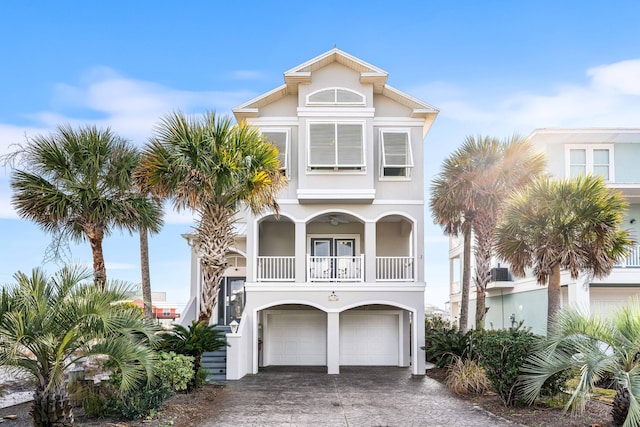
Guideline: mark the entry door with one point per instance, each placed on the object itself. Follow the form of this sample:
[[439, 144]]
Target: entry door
[[230, 300], [333, 257]]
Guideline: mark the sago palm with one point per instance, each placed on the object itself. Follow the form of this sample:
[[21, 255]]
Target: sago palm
[[211, 166], [573, 224], [467, 197], [593, 348], [77, 184], [47, 323]]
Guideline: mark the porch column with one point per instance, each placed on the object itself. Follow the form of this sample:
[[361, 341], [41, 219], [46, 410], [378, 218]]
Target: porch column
[[578, 292], [333, 343], [370, 251], [301, 251], [417, 355]]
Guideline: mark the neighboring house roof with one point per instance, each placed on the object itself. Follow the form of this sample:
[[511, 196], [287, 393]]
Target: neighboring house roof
[[585, 135], [368, 74]]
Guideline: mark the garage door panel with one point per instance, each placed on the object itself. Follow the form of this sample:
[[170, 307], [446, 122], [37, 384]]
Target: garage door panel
[[297, 339], [369, 339]]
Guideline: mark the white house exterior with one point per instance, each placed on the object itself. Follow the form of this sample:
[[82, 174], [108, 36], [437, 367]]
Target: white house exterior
[[338, 278], [613, 154]]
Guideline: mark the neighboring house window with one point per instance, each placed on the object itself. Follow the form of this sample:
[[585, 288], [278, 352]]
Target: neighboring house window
[[596, 160], [336, 146], [335, 96], [280, 138], [396, 160], [166, 312]]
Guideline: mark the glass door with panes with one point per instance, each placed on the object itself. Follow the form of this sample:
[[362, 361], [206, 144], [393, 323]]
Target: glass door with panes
[[230, 300], [333, 258]]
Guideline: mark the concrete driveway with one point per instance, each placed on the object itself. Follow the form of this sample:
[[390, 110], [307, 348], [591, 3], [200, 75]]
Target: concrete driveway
[[359, 396]]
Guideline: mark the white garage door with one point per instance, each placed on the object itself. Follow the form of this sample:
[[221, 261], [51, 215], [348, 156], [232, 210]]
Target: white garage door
[[369, 339], [297, 338]]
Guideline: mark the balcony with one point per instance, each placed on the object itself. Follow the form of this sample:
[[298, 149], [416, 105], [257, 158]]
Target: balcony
[[632, 260], [335, 269]]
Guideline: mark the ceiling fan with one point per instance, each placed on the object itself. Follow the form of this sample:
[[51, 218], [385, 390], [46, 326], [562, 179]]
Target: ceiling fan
[[337, 219]]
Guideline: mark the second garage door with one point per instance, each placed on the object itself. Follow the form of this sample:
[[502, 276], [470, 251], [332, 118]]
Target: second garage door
[[296, 338], [369, 339]]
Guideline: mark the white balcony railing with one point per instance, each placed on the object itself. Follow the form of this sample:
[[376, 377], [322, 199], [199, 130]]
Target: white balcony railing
[[335, 268], [276, 268], [395, 269], [632, 260]]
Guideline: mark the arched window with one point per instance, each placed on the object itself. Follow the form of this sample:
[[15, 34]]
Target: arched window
[[335, 96]]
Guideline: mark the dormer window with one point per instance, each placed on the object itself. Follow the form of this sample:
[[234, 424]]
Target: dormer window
[[280, 138], [396, 160], [335, 96]]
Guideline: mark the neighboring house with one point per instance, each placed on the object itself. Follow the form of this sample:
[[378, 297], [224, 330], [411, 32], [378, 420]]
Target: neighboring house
[[613, 154], [165, 313], [338, 278]]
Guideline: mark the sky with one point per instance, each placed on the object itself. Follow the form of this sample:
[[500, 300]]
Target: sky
[[492, 68]]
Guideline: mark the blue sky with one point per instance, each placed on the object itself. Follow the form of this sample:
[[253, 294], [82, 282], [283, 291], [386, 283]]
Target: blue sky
[[491, 67]]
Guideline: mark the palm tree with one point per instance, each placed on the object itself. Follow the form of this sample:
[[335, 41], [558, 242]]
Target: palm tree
[[468, 195], [77, 184], [572, 224], [47, 323], [211, 166], [594, 348]]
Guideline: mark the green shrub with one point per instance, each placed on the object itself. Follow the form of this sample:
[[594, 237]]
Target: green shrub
[[174, 371], [465, 376], [443, 342], [138, 403], [502, 353], [201, 376]]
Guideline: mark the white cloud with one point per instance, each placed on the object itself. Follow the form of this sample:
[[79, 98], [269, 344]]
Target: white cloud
[[609, 98], [247, 75]]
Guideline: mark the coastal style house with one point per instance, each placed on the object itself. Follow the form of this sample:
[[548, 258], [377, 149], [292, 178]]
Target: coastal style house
[[338, 278], [613, 154]]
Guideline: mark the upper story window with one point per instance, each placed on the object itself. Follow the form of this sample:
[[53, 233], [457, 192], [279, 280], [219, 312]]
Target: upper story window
[[396, 160], [280, 138], [590, 159], [335, 96], [336, 146]]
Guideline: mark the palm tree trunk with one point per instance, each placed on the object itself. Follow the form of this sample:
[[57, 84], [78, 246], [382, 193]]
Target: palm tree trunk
[[620, 407], [215, 237], [146, 276], [553, 297], [483, 227], [466, 278], [51, 409], [95, 236]]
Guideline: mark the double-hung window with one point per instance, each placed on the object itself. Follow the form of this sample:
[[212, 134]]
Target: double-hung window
[[280, 138], [336, 146], [590, 159], [396, 160]]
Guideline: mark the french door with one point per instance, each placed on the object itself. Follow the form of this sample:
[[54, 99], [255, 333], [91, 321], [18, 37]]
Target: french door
[[333, 258]]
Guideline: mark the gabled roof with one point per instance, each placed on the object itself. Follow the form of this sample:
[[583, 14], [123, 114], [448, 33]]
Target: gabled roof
[[302, 74]]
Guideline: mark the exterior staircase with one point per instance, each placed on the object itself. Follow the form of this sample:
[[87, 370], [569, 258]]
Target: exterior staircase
[[215, 362]]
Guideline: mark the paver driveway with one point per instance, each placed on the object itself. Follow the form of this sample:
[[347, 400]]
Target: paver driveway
[[359, 396]]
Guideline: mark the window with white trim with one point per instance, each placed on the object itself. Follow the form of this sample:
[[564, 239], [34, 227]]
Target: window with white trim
[[336, 146], [335, 96], [396, 160], [280, 138], [590, 159]]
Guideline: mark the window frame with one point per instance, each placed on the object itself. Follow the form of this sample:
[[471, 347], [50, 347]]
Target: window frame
[[335, 97], [287, 131], [352, 168], [589, 150], [382, 158]]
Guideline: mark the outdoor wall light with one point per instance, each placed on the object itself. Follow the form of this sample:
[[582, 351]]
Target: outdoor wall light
[[632, 221], [234, 326]]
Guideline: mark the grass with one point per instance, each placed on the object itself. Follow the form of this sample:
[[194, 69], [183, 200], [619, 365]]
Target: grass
[[603, 395]]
